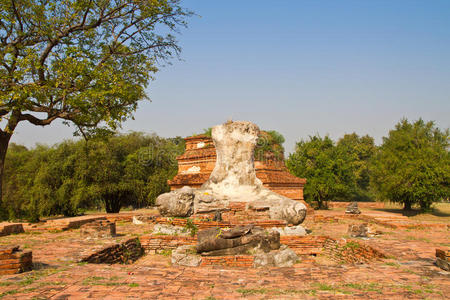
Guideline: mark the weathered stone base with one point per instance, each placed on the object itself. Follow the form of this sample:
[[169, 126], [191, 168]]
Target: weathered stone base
[[14, 260]]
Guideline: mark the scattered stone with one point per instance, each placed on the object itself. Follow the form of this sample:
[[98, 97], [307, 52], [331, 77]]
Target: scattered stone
[[352, 208], [99, 229], [186, 256], [136, 221], [298, 230], [177, 203], [443, 259], [358, 230], [169, 230], [239, 240], [284, 257]]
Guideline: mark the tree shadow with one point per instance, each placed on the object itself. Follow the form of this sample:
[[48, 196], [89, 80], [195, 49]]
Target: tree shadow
[[414, 212]]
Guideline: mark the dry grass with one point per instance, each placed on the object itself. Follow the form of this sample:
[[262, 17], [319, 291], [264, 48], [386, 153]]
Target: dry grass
[[440, 212]]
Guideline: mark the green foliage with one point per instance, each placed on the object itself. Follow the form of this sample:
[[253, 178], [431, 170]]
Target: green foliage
[[269, 146], [358, 152], [122, 170], [327, 168], [191, 227], [85, 62], [412, 166]]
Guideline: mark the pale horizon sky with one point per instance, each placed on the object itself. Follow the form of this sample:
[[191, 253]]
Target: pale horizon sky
[[298, 67]]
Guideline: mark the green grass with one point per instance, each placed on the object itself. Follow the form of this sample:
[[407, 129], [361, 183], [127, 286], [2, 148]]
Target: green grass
[[247, 292], [166, 252]]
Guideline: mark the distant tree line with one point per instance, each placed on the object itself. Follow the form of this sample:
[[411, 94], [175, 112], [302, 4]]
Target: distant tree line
[[103, 173], [411, 166]]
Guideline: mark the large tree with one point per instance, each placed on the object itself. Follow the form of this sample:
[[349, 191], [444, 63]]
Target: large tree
[[86, 62], [412, 166], [358, 150], [328, 170]]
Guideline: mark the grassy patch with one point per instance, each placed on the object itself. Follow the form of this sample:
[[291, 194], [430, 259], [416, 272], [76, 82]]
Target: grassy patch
[[351, 245], [392, 264], [369, 287], [166, 252], [98, 280], [246, 292]]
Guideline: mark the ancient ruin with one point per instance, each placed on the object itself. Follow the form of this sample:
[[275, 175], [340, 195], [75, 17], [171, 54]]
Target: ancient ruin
[[198, 161], [229, 235], [233, 180]]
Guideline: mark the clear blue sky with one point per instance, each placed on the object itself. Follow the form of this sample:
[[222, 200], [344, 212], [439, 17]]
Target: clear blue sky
[[299, 67]]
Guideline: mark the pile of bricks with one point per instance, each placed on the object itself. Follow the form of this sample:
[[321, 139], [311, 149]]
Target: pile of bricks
[[245, 261], [351, 251], [157, 243], [127, 251], [443, 259], [305, 245], [13, 260], [99, 229], [10, 228]]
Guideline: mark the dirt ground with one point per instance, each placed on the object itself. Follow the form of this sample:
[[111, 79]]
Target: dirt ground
[[408, 272]]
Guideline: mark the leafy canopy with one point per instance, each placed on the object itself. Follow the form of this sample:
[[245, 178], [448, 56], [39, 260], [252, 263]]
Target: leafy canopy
[[412, 166], [328, 171], [85, 61]]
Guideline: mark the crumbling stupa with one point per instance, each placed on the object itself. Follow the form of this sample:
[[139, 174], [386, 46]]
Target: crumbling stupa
[[232, 181]]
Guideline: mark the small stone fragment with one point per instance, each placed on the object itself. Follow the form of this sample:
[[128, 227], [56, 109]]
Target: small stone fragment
[[284, 257], [186, 256], [352, 208], [357, 230]]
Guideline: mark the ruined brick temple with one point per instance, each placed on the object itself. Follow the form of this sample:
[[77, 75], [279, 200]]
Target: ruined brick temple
[[199, 159]]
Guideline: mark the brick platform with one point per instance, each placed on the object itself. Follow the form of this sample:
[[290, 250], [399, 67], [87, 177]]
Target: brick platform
[[204, 222], [158, 243], [10, 228], [244, 261], [305, 245], [14, 260], [351, 251], [98, 229]]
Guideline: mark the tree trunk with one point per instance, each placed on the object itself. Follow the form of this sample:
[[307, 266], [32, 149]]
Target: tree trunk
[[4, 143], [407, 205]]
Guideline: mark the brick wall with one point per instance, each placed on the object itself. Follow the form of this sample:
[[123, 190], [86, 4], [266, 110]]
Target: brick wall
[[203, 222], [351, 251], [230, 261], [305, 245], [127, 251], [157, 243], [10, 228], [14, 260]]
